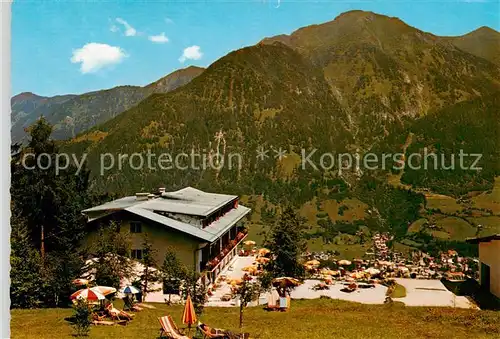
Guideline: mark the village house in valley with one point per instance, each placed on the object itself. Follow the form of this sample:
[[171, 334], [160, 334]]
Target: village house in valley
[[204, 229], [489, 258]]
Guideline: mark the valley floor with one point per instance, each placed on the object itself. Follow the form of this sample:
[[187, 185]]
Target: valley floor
[[319, 318]]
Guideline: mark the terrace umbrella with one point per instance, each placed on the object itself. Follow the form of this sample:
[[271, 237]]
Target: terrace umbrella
[[328, 272], [249, 243], [87, 294], [249, 268], [130, 290], [189, 315], [236, 281], [344, 262], [309, 267], [104, 290], [264, 251], [262, 260], [313, 263], [285, 282]]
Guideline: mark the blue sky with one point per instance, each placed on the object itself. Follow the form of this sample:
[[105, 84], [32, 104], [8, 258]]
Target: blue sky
[[77, 46]]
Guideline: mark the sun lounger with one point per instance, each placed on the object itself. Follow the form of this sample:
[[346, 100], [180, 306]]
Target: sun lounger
[[169, 329], [209, 333], [98, 317], [103, 322], [117, 314], [218, 333]]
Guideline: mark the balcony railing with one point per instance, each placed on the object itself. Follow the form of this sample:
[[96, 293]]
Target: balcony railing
[[214, 263]]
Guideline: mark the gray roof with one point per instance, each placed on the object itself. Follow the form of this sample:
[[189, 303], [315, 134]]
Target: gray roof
[[209, 233], [483, 239], [188, 201]]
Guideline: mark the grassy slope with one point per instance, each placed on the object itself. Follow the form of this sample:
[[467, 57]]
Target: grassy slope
[[310, 319]]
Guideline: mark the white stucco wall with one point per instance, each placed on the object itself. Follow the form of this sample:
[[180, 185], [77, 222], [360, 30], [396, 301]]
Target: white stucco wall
[[489, 253]]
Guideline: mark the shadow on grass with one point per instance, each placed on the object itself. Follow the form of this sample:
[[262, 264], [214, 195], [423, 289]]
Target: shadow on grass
[[471, 288]]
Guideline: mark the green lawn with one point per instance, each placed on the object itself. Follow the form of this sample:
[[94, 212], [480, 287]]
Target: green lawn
[[320, 318]]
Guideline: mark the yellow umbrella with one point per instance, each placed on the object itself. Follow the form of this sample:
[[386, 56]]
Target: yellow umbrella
[[313, 262], [328, 272], [189, 315], [249, 243], [236, 281], [344, 262], [287, 281], [264, 251], [249, 268]]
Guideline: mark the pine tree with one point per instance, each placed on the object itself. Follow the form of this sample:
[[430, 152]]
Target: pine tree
[[173, 272], [150, 274], [194, 287], [111, 263], [26, 285], [48, 204], [287, 244]]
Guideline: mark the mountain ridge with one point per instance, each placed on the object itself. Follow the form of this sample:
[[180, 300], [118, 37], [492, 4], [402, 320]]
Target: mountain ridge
[[72, 114]]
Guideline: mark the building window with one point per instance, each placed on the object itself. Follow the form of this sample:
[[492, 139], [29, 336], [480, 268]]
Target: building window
[[136, 254], [135, 227]]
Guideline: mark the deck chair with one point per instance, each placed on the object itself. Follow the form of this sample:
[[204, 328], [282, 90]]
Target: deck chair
[[98, 317], [115, 313], [169, 329], [284, 303], [209, 333]]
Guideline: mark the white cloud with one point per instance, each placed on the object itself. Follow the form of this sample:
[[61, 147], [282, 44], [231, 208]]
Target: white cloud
[[94, 56], [129, 30], [159, 39], [169, 21], [191, 53]]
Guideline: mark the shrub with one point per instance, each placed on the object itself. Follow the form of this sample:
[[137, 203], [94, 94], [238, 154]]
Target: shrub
[[82, 318]]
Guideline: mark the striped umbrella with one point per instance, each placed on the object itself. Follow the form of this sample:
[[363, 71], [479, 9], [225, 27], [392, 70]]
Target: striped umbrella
[[88, 294], [104, 290], [130, 289], [189, 315]]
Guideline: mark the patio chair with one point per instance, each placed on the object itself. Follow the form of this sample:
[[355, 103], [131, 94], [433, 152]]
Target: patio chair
[[169, 329]]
